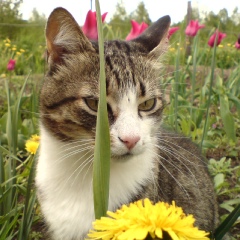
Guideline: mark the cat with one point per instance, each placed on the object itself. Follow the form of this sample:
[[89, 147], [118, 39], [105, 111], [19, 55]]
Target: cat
[[146, 160]]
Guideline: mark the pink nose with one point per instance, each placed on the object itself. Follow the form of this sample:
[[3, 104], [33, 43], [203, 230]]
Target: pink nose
[[129, 141]]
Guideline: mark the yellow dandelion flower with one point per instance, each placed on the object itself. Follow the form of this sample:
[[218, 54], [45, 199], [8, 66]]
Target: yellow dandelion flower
[[18, 53], [7, 40], [32, 144], [35, 138], [22, 50], [14, 49], [142, 219], [3, 75], [220, 46], [7, 44]]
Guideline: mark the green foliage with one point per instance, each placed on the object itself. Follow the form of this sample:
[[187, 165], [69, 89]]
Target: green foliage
[[227, 223], [119, 23], [141, 14], [222, 166], [9, 15], [17, 196], [29, 57], [21, 40]]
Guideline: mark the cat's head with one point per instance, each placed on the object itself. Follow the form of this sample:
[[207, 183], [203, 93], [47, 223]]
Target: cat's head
[[69, 96]]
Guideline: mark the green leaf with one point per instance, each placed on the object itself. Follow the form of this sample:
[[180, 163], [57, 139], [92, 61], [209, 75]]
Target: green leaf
[[224, 227], [218, 180], [101, 165], [210, 91], [227, 118], [30, 199]]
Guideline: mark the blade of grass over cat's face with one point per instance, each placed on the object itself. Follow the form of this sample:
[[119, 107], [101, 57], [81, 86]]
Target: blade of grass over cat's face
[[101, 165]]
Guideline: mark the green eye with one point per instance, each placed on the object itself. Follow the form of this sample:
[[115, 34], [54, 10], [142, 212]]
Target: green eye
[[147, 105], [92, 103]]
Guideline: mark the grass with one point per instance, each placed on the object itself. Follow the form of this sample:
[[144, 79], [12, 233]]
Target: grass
[[203, 104]]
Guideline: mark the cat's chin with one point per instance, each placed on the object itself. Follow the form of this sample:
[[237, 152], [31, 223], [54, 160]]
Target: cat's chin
[[124, 157]]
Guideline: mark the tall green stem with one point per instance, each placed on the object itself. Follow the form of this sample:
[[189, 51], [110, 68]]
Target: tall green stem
[[101, 165], [210, 91]]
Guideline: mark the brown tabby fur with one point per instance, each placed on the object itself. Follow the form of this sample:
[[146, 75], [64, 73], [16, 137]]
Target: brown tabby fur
[[180, 170]]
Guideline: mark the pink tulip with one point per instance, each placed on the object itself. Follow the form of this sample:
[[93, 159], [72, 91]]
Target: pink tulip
[[219, 37], [136, 30], [90, 26], [172, 30], [11, 65], [193, 27], [237, 45]]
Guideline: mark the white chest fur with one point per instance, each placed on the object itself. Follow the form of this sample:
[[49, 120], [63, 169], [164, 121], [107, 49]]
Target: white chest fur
[[65, 188]]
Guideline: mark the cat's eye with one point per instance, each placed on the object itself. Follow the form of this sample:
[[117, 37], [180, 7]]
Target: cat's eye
[[92, 103], [147, 105]]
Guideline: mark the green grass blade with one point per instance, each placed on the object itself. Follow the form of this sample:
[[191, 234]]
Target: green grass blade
[[2, 177], [101, 165], [227, 118], [210, 92], [9, 116], [4, 150], [193, 79], [9, 171], [176, 88], [30, 199], [9, 225], [224, 227]]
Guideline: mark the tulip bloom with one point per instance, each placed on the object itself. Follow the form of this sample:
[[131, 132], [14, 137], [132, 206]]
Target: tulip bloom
[[136, 30], [193, 27], [237, 45], [219, 36], [90, 26], [11, 65], [172, 30]]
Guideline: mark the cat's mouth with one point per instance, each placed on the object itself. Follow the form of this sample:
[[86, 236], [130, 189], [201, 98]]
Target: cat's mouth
[[124, 157]]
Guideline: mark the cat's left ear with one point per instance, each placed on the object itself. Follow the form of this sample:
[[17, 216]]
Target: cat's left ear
[[155, 37], [64, 36]]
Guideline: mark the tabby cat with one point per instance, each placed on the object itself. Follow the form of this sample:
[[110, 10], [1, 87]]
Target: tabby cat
[[146, 160]]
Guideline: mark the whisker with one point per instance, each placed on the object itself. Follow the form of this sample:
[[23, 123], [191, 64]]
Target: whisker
[[76, 144], [70, 154], [170, 174], [81, 167], [175, 155], [181, 148]]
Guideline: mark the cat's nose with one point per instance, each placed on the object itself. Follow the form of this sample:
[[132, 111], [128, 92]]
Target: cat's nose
[[129, 141]]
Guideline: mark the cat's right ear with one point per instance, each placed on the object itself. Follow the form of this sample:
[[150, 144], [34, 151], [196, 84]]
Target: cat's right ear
[[155, 37], [64, 35]]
